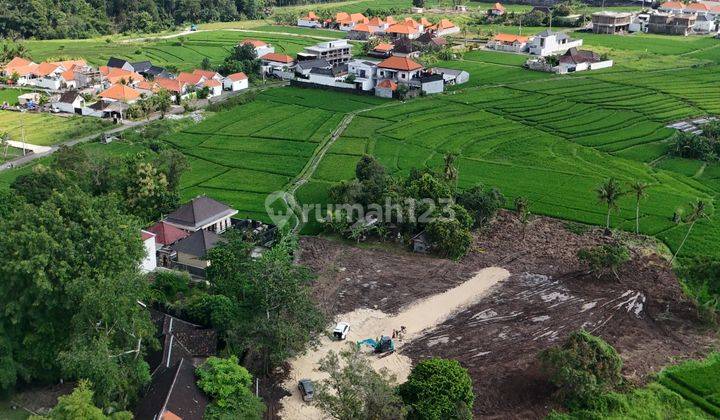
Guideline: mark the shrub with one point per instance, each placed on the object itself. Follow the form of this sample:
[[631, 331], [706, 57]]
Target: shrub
[[229, 386], [604, 258], [583, 368], [169, 284], [482, 204], [438, 389]]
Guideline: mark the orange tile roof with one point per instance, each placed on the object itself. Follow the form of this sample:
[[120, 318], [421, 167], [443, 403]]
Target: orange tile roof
[[208, 74], [672, 5], [237, 76], [498, 6], [212, 83], [341, 16], [509, 38], [120, 92], [701, 7], [362, 27], [411, 22], [280, 58], [401, 28], [443, 24], [358, 17], [390, 20], [424, 22], [68, 75], [18, 62], [387, 84], [44, 69], [69, 64], [169, 415], [383, 47], [23, 70], [376, 21], [310, 16], [399, 63], [151, 86], [254, 42], [189, 78], [171, 85], [116, 75]]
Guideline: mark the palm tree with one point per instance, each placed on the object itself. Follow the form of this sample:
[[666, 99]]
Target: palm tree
[[608, 193], [451, 172], [697, 213], [639, 188]]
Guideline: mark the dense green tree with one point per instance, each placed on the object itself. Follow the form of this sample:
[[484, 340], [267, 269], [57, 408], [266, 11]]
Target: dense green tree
[[583, 368], [216, 311], [243, 58], [229, 386], [438, 389], [147, 192], [79, 405], [39, 185], [450, 237], [168, 286], [356, 391], [482, 204], [70, 290]]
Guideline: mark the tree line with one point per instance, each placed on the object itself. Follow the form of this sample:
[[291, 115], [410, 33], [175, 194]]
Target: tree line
[[47, 19]]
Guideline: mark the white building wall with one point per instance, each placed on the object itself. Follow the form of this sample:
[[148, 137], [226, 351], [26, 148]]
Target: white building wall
[[309, 23], [149, 263]]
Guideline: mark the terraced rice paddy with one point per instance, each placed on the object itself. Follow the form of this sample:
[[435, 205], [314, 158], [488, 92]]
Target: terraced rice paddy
[[184, 53], [241, 155], [697, 382]]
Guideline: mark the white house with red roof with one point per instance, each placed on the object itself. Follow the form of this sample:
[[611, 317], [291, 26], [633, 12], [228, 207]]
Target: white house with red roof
[[398, 69], [273, 62], [261, 47], [508, 42], [497, 9], [236, 81], [311, 20], [444, 28]]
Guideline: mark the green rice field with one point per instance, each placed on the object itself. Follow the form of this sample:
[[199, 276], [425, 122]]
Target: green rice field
[[46, 129], [698, 382]]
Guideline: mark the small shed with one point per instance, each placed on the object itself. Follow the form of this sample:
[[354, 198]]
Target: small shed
[[420, 243], [25, 98]]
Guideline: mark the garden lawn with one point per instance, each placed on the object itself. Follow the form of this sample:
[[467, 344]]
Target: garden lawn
[[46, 129]]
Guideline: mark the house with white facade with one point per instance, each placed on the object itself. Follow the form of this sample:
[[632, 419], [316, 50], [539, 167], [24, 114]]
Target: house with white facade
[[236, 81], [335, 52], [508, 43], [311, 20], [548, 43], [261, 47], [364, 73], [346, 22], [398, 69], [215, 87], [273, 63], [575, 60], [70, 102], [444, 28]]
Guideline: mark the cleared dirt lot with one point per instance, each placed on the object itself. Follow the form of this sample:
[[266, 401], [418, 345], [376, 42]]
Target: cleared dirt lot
[[644, 314]]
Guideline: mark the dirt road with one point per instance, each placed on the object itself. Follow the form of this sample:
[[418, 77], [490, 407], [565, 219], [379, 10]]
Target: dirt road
[[418, 318]]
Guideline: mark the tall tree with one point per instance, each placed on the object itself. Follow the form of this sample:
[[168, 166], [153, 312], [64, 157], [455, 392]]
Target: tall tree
[[608, 193], [5, 142], [438, 389], [229, 385], [70, 290], [162, 102], [639, 189], [696, 213], [451, 172], [79, 405], [522, 211], [355, 391]]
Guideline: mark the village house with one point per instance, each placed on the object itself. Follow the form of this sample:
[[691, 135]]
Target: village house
[[509, 43], [119, 63], [261, 47], [364, 72], [452, 76], [191, 252], [429, 83], [215, 87], [335, 52], [148, 88], [173, 392], [363, 32], [705, 24], [70, 102], [304, 67], [277, 64], [310, 20], [548, 42], [611, 22], [406, 29], [346, 22], [120, 93], [385, 88], [398, 69], [575, 60], [236, 81], [114, 75], [202, 213], [444, 28], [176, 88], [381, 50], [671, 24], [166, 236], [194, 81], [333, 76], [497, 10]]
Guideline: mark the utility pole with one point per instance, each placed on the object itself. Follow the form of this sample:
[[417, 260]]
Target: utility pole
[[22, 129]]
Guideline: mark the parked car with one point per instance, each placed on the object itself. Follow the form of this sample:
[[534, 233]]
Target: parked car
[[307, 391], [341, 331]]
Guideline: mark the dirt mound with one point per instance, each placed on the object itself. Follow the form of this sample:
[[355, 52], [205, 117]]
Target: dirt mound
[[643, 314]]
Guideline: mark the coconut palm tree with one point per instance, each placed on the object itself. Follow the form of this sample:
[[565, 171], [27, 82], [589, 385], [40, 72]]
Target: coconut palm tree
[[639, 188], [697, 213], [608, 193]]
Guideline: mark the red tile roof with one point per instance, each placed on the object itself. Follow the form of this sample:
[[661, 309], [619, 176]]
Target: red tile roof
[[498, 6], [120, 92], [145, 235], [279, 58], [399, 63], [171, 85], [509, 38], [212, 83], [44, 69], [401, 28], [208, 74], [189, 78], [166, 234], [237, 76], [254, 42], [387, 84], [383, 47]]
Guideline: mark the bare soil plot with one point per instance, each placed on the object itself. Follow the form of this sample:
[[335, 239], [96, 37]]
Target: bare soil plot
[[643, 314]]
